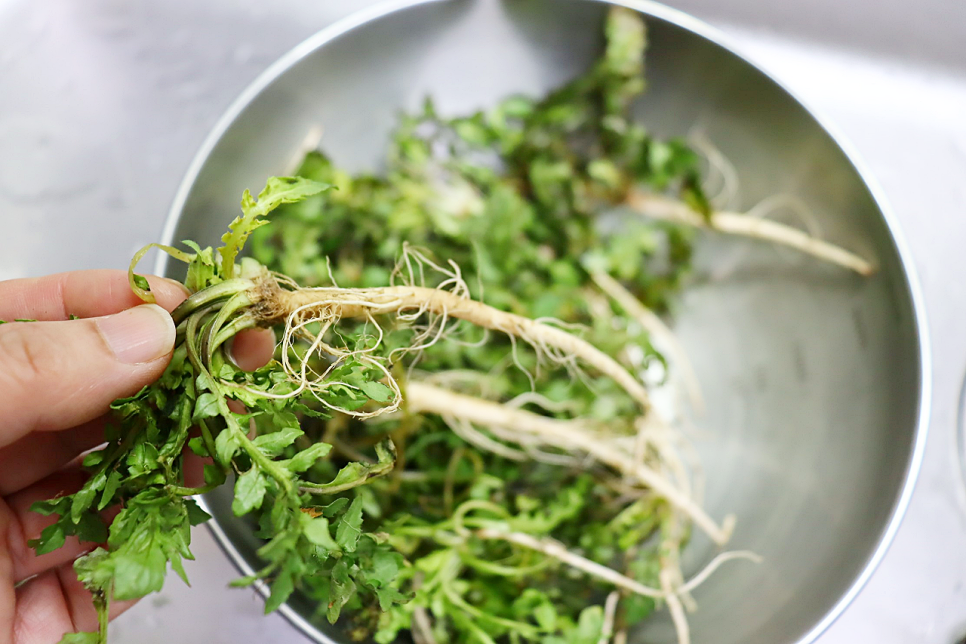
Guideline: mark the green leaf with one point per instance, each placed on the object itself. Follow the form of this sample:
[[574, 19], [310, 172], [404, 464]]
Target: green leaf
[[317, 531], [205, 407], [388, 596], [384, 567], [275, 443], [178, 567], [376, 391], [82, 502], [91, 529], [196, 516], [282, 589], [143, 458], [341, 590], [110, 488], [244, 582], [349, 528], [95, 570], [226, 447], [201, 268], [213, 474], [249, 492], [277, 191], [308, 457], [198, 447], [59, 505], [137, 282], [51, 538], [546, 616], [94, 458], [138, 573], [590, 624], [335, 507]]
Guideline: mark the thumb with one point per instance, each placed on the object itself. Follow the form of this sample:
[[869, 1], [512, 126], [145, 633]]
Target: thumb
[[56, 375]]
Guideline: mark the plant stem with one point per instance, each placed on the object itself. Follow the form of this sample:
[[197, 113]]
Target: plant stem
[[211, 294]]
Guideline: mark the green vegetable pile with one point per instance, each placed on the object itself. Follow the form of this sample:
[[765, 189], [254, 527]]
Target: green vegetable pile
[[455, 438]]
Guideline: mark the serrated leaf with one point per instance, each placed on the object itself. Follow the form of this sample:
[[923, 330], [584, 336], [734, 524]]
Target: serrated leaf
[[341, 590], [226, 447], [335, 507], [91, 529], [213, 474], [59, 505], [249, 492], [196, 516], [307, 457], [178, 567], [376, 391], [388, 596], [317, 531], [51, 538], [275, 443], [110, 488], [349, 527], [94, 458], [205, 407], [139, 573], [198, 447], [282, 589], [142, 459], [277, 191], [384, 567], [82, 501]]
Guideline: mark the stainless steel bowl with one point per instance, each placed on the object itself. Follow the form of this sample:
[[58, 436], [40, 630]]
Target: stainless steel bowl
[[816, 381]]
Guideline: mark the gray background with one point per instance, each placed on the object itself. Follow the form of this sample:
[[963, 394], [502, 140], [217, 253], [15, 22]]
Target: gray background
[[103, 103]]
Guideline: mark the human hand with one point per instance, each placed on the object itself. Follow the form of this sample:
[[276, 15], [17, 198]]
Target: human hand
[[57, 380]]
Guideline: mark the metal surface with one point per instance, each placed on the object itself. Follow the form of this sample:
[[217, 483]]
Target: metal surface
[[103, 104], [814, 382]]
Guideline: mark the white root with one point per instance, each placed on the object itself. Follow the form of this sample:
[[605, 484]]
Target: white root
[[328, 305], [671, 590], [714, 564], [567, 435], [718, 166], [674, 606], [665, 208], [610, 614], [655, 326]]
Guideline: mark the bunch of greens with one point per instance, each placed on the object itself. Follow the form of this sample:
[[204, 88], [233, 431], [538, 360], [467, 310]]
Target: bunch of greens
[[309, 531], [455, 438]]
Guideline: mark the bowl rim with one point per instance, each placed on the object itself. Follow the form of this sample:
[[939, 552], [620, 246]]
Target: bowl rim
[[712, 34]]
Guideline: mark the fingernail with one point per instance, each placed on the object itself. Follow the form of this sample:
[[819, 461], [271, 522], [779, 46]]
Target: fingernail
[[142, 334], [178, 285]]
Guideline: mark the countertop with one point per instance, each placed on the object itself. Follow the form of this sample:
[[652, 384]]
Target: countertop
[[103, 103]]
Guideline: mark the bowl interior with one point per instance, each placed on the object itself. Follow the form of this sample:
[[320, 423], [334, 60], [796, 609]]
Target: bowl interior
[[811, 376]]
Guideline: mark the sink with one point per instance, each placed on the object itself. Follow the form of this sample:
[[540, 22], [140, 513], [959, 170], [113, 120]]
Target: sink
[[104, 104]]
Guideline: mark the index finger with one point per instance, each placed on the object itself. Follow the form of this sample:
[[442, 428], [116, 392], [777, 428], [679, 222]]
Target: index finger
[[83, 294]]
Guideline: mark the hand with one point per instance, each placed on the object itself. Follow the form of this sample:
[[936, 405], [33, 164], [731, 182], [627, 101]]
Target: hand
[[57, 379]]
